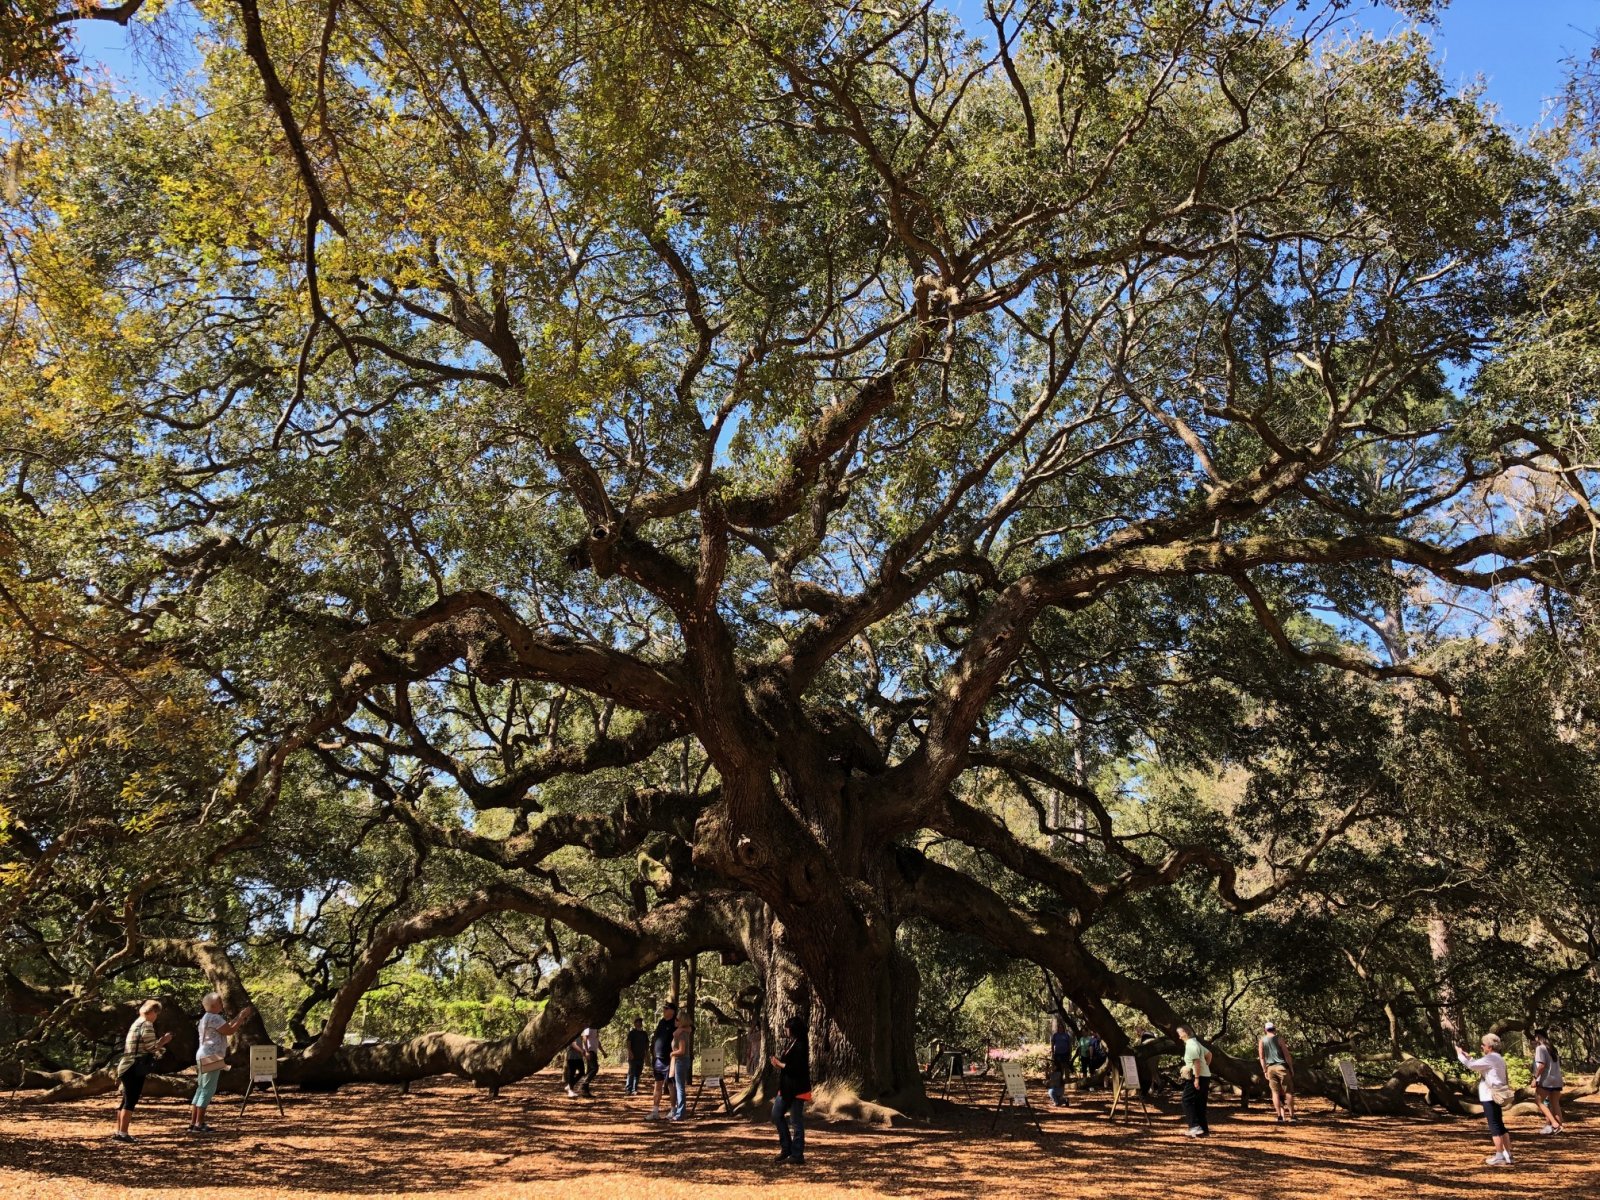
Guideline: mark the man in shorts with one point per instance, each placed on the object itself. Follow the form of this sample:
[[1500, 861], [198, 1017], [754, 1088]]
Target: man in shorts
[[1277, 1068], [661, 1054]]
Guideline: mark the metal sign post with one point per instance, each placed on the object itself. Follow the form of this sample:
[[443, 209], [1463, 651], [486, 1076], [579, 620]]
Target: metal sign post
[[263, 1070], [713, 1061], [1127, 1090], [1014, 1091]]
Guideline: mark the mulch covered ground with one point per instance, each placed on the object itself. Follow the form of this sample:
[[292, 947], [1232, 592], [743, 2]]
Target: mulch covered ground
[[445, 1139]]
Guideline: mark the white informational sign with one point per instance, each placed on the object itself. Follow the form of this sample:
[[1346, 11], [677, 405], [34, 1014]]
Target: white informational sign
[[1130, 1071], [713, 1061], [1016, 1085], [1347, 1069], [263, 1064]]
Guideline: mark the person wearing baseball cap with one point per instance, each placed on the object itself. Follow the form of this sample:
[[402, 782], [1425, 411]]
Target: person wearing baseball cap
[[1277, 1068]]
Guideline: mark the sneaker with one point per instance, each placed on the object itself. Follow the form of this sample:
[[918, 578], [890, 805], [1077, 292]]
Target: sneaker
[[119, 1136], [1495, 1159], [784, 1157], [653, 1115], [1196, 1131], [796, 1160]]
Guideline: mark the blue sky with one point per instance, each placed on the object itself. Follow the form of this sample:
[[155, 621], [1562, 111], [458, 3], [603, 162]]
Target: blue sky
[[1517, 46]]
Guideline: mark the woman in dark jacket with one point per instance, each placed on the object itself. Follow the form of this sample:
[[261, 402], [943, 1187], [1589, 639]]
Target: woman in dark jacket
[[794, 1089]]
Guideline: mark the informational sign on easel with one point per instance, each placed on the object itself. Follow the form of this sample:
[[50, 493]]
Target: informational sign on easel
[[1014, 1091], [1127, 1090], [1352, 1085], [951, 1067], [263, 1071], [713, 1062]]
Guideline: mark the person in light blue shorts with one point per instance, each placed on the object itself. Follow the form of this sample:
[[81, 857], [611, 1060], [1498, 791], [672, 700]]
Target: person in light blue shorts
[[211, 1056]]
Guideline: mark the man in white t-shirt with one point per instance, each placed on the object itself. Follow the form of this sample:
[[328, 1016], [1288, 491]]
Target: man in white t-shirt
[[591, 1058]]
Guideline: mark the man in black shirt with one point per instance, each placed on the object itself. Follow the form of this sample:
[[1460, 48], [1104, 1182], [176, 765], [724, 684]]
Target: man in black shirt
[[638, 1047], [661, 1054]]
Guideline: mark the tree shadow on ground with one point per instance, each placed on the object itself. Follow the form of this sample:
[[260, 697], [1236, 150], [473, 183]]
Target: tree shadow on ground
[[369, 1140]]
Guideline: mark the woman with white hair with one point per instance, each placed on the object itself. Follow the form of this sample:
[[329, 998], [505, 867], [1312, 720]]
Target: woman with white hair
[[1494, 1093], [211, 1056], [139, 1050]]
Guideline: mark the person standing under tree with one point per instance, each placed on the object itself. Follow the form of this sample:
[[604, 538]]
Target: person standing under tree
[[1494, 1093], [211, 1056], [1547, 1081], [793, 1063], [573, 1071], [638, 1047], [661, 1054], [1277, 1068], [592, 1051], [1060, 1062], [682, 1065], [1196, 1082], [139, 1051]]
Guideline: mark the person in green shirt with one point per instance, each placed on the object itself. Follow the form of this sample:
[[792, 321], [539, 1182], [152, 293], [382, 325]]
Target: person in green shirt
[[1196, 1082]]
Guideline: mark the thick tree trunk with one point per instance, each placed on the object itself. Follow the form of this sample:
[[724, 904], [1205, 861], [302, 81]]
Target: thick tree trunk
[[1439, 948], [859, 1005]]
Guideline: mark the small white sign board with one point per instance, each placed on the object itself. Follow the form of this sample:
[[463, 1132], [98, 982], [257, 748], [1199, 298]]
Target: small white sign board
[[713, 1061], [1016, 1085], [1130, 1071], [1347, 1070], [263, 1064]]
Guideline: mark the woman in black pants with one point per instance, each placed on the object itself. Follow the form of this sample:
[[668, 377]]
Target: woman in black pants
[[139, 1051], [794, 1089]]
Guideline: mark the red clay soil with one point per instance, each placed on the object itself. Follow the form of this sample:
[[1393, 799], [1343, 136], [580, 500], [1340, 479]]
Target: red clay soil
[[445, 1139]]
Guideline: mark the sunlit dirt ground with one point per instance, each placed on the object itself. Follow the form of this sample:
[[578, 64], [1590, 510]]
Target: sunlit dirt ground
[[445, 1139]]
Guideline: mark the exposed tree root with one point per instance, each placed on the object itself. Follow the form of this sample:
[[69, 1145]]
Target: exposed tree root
[[841, 1102]]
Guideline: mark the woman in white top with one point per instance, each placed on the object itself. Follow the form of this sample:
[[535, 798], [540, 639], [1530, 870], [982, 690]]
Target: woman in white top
[[210, 1057], [1547, 1081], [1494, 1092]]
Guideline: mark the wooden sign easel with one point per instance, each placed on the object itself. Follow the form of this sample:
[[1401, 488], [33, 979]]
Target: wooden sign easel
[[1127, 1091], [713, 1061], [1014, 1091], [263, 1070]]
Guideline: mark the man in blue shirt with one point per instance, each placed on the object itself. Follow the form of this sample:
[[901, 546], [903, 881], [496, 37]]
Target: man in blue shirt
[[661, 1053], [1060, 1063]]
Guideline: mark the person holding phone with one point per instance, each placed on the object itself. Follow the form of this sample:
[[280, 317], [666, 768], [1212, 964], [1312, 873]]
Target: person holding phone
[[210, 1057], [140, 1049], [1494, 1093]]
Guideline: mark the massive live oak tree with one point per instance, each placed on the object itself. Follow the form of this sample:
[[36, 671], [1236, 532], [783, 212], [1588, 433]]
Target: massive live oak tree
[[675, 477]]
